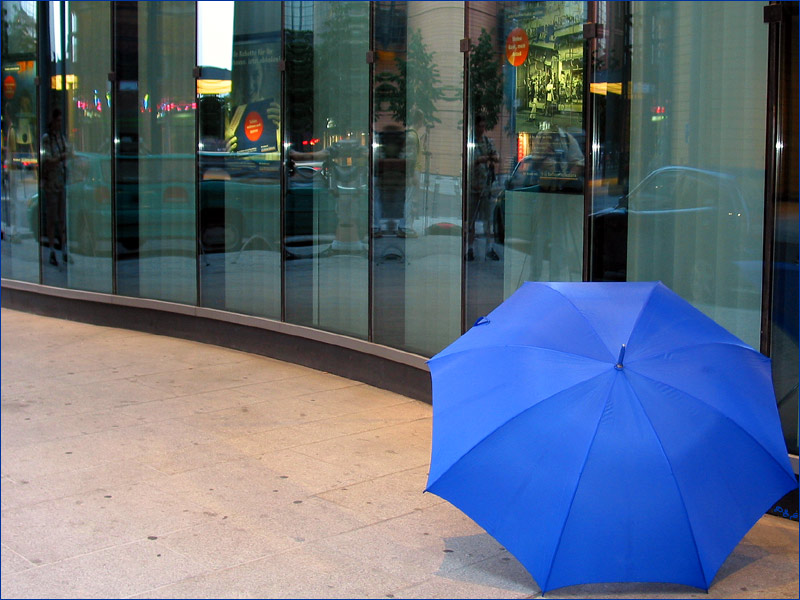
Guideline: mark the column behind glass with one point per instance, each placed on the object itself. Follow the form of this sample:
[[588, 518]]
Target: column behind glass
[[525, 173], [416, 225], [155, 154], [238, 95], [88, 127], [326, 236]]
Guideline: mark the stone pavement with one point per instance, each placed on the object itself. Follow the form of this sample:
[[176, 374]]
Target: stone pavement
[[142, 466]]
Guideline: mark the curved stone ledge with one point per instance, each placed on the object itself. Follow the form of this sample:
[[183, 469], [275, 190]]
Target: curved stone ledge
[[381, 366]]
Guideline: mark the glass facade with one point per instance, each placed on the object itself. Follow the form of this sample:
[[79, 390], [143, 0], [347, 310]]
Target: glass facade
[[391, 171], [416, 173], [20, 201], [238, 153]]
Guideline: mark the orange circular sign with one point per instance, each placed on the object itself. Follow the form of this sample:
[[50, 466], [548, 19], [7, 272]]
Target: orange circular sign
[[9, 86], [517, 46], [253, 126]]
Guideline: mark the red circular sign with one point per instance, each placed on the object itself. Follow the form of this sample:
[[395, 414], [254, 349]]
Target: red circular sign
[[253, 126], [517, 46], [9, 87]]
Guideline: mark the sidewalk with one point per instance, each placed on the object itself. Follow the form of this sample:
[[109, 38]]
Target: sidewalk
[[141, 466]]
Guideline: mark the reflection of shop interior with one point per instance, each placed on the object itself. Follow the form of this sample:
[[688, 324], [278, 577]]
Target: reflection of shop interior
[[550, 82]]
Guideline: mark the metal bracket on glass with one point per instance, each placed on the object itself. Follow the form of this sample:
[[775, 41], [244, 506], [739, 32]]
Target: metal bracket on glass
[[465, 45], [370, 57], [196, 72], [592, 31], [773, 13], [112, 76]]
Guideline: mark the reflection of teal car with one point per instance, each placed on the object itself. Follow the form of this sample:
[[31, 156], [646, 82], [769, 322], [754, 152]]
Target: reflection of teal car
[[239, 204], [155, 204]]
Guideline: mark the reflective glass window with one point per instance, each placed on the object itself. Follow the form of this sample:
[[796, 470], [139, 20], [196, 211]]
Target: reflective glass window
[[154, 139], [526, 144], [695, 203], [87, 125], [416, 211], [238, 95], [327, 165], [20, 183]]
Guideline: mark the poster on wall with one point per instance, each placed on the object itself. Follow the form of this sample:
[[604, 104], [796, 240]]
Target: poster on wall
[[545, 46], [255, 111]]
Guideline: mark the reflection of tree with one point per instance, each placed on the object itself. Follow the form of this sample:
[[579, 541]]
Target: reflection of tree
[[300, 83], [486, 81], [341, 71], [19, 31], [417, 78]]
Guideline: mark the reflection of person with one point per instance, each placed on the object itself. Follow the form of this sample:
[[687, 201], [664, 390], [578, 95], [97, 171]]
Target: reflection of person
[[484, 159], [55, 152]]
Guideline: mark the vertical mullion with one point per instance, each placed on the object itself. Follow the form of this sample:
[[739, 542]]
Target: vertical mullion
[[465, 120], [370, 178], [772, 167]]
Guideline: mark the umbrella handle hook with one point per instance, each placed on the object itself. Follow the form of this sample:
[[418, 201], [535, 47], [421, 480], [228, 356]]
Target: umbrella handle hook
[[618, 366]]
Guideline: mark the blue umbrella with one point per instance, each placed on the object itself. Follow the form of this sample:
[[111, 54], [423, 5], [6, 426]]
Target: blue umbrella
[[607, 432]]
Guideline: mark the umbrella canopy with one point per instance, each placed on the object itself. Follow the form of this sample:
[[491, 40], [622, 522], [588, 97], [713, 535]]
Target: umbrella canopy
[[607, 432]]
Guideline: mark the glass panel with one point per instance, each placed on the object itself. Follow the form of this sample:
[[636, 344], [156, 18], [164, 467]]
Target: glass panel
[[88, 128], [526, 148], [155, 156], [20, 183], [327, 79], [239, 48], [784, 350], [55, 152], [696, 204], [417, 175]]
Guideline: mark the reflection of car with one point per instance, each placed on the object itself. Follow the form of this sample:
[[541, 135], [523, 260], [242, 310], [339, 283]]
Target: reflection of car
[[694, 224], [528, 176], [155, 201], [310, 211]]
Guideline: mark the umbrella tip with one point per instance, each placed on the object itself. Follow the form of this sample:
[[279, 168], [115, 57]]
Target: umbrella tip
[[481, 321], [618, 366]]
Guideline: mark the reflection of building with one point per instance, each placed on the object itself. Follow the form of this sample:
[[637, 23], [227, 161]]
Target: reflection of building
[[172, 222]]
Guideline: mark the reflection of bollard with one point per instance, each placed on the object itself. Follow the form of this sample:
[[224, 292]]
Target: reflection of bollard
[[348, 237], [347, 226]]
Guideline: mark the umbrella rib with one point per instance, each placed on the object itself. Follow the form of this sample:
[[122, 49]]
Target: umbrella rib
[[525, 346], [589, 323], [515, 416], [742, 346], [716, 410], [677, 484], [575, 492]]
